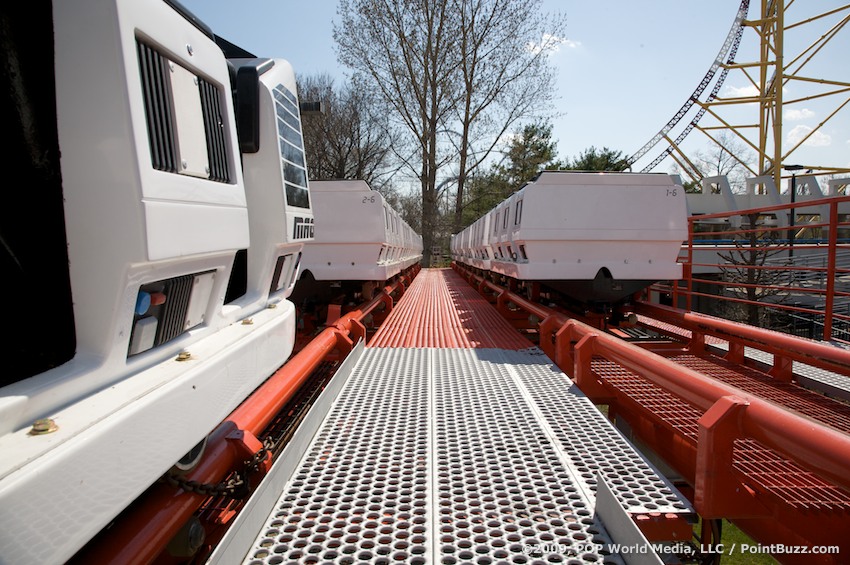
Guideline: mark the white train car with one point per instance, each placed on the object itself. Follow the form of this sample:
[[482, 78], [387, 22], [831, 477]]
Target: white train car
[[157, 238], [471, 245], [595, 237], [359, 239]]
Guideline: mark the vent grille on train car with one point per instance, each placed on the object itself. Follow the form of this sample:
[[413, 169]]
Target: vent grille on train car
[[173, 318], [166, 309], [214, 126], [158, 109], [154, 69]]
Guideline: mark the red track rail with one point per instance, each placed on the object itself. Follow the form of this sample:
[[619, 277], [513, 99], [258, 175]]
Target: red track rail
[[756, 448], [437, 311]]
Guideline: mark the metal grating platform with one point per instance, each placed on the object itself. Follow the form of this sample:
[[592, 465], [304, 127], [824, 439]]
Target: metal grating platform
[[593, 447], [457, 456], [791, 396]]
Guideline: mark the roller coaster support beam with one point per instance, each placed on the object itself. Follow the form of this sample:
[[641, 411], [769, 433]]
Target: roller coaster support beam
[[161, 512]]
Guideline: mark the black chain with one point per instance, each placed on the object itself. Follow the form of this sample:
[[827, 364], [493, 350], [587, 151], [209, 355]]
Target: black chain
[[236, 487]]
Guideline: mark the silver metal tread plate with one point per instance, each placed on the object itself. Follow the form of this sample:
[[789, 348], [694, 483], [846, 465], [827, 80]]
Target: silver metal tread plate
[[458, 456]]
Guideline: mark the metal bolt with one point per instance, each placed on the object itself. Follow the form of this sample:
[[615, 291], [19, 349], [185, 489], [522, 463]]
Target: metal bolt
[[272, 306], [247, 322], [43, 426], [184, 164], [184, 356], [190, 50]]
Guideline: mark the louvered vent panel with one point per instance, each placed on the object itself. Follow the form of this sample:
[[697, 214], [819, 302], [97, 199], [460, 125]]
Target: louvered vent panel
[[173, 319], [159, 111], [214, 125], [153, 68]]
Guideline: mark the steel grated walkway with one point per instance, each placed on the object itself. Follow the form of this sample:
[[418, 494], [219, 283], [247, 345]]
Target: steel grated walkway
[[458, 456], [452, 439]]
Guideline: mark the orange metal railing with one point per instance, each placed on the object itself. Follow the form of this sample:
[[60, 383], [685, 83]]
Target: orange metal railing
[[759, 267]]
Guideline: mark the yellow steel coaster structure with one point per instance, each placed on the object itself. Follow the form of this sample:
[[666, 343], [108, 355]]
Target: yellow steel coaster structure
[[789, 68]]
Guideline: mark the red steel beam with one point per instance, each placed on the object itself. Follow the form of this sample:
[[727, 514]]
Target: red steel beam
[[818, 447]]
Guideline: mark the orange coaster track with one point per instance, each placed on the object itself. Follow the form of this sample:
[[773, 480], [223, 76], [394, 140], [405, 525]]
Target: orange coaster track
[[441, 310]]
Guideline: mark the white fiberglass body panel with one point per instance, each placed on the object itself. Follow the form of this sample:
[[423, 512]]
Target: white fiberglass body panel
[[358, 235]]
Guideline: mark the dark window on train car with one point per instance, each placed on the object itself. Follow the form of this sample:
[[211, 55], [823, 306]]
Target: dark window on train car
[[496, 223], [518, 213], [34, 253], [291, 147], [505, 219], [237, 285]]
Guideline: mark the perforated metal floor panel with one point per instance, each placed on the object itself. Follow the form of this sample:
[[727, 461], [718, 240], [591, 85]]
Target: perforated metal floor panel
[[458, 456]]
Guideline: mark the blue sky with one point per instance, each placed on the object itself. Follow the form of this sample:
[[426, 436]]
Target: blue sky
[[624, 69]]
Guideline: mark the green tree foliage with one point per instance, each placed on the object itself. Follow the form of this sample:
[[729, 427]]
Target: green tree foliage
[[692, 187], [593, 159], [530, 150]]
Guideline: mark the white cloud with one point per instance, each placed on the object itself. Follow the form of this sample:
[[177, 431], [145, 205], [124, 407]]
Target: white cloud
[[817, 139], [741, 92], [797, 115], [552, 44]]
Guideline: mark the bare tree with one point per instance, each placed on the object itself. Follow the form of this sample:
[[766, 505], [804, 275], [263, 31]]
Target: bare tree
[[348, 139], [407, 51], [749, 278], [727, 156], [456, 74], [504, 75]]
